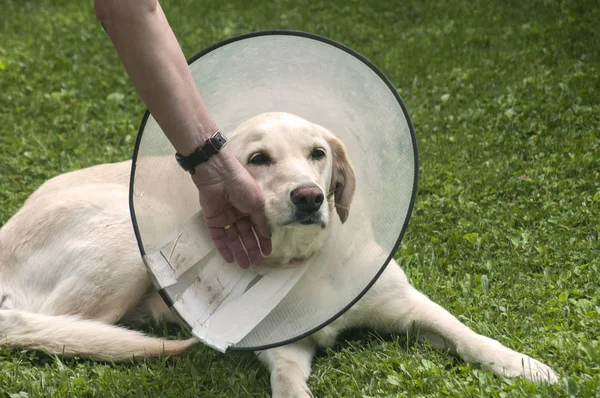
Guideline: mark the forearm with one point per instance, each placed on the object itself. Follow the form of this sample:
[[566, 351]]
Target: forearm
[[157, 67]]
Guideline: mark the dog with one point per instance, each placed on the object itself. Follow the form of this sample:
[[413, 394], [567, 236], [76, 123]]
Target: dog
[[70, 268]]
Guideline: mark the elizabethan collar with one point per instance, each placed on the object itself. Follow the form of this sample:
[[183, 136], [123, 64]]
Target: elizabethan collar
[[324, 83]]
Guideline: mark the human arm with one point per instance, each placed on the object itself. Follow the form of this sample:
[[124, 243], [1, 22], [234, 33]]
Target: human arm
[[157, 67]]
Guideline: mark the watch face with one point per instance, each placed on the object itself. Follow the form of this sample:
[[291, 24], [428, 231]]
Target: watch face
[[297, 76]]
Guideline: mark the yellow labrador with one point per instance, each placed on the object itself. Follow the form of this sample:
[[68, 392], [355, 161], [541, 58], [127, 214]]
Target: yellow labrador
[[70, 268]]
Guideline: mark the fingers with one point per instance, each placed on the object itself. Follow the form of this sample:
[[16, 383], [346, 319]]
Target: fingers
[[240, 243], [237, 202], [237, 242], [253, 205], [219, 238], [263, 233], [248, 239], [235, 245], [229, 245]]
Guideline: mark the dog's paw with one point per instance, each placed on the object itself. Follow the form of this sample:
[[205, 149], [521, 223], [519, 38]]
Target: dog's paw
[[300, 393], [506, 362], [289, 391], [528, 368], [289, 385]]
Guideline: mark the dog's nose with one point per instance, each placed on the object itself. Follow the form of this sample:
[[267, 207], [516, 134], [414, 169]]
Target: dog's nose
[[307, 198]]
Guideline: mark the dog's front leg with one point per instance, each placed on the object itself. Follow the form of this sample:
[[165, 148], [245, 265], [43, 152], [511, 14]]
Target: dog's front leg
[[290, 367], [394, 305]]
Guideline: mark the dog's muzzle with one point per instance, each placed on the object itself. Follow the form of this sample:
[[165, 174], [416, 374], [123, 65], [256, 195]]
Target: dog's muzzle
[[307, 200]]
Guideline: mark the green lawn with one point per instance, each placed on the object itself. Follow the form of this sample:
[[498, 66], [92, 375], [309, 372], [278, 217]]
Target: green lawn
[[505, 99]]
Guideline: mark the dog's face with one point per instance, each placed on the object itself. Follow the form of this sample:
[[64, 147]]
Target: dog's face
[[303, 172]]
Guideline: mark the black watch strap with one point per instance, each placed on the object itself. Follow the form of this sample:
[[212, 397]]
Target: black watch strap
[[211, 147]]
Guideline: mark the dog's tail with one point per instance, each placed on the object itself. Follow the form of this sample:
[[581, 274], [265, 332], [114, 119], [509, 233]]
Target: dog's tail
[[72, 336]]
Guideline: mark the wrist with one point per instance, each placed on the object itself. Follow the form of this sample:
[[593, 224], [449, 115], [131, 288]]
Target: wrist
[[190, 139], [202, 153]]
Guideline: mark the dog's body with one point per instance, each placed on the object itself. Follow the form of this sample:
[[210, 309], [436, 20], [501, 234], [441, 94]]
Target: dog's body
[[70, 267]]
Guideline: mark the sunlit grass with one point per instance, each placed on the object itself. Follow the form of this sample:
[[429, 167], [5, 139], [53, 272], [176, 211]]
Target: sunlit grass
[[505, 99]]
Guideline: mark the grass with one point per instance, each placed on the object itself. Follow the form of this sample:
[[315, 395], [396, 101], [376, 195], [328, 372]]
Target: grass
[[505, 99]]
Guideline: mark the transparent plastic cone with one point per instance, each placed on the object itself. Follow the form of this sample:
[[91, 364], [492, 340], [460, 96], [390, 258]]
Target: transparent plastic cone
[[327, 84]]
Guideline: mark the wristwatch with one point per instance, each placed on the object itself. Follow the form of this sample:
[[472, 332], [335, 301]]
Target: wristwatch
[[211, 147]]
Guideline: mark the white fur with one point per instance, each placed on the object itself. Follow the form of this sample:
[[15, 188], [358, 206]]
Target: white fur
[[70, 267]]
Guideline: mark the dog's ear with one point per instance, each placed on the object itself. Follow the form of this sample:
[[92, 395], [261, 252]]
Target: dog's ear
[[343, 179]]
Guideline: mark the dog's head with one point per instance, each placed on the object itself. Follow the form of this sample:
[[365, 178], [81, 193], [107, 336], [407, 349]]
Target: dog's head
[[303, 172]]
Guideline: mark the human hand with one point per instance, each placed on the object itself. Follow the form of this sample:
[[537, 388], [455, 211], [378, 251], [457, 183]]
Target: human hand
[[229, 196]]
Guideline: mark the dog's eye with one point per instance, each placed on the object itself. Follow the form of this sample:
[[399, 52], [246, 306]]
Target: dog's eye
[[259, 158], [318, 153]]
